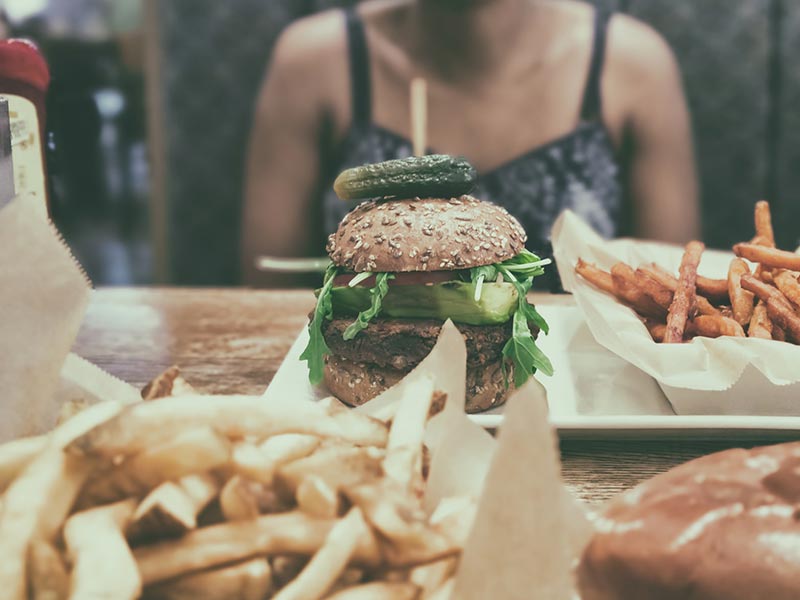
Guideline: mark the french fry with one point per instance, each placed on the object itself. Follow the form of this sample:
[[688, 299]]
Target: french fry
[[48, 575], [403, 462], [778, 334], [242, 499], [597, 277], [379, 590], [656, 330], [285, 533], [430, 577], [760, 325], [763, 221], [769, 257], [714, 289], [657, 291], [95, 537], [337, 465], [445, 592], [670, 282], [17, 454], [685, 293], [317, 498], [286, 567], [787, 283], [36, 503], [329, 561], [171, 509], [147, 424], [249, 580], [168, 383], [741, 300], [627, 289], [778, 307], [190, 451], [710, 326], [258, 463]]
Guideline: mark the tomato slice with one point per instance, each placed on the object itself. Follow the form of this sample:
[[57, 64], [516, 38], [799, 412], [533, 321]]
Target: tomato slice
[[409, 278]]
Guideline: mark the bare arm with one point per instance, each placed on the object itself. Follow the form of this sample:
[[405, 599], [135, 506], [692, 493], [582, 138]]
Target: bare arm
[[662, 178], [281, 215]]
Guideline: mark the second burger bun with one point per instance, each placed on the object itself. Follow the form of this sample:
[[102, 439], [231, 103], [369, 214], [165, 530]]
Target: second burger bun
[[355, 383], [425, 234]]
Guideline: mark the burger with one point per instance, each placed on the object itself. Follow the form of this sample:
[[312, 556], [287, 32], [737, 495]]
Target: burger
[[419, 252], [721, 527]]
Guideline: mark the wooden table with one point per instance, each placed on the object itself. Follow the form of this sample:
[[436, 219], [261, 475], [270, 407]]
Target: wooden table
[[233, 340]]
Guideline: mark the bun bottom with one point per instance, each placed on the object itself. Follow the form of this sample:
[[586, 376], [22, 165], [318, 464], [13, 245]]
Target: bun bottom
[[355, 383]]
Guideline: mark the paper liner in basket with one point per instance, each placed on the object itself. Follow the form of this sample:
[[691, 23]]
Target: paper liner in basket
[[43, 296], [751, 370]]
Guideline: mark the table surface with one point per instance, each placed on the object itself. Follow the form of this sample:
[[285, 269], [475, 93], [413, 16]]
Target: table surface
[[233, 341]]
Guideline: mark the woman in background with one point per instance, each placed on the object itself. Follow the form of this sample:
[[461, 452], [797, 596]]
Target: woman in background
[[556, 104]]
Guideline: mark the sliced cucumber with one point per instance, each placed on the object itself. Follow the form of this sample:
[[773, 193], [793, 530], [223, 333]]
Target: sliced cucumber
[[437, 175]]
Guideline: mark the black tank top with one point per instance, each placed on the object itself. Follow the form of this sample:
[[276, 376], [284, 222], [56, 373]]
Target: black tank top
[[578, 171]]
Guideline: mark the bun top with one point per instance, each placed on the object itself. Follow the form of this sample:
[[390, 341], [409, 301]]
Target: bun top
[[425, 234], [724, 526]]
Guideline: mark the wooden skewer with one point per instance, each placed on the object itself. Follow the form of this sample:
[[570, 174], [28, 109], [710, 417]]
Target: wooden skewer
[[419, 115]]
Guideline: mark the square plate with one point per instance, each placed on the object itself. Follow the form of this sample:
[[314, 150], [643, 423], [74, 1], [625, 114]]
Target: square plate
[[594, 394]]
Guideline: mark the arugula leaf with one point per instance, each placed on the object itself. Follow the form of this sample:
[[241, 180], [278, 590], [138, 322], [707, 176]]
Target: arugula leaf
[[377, 294], [316, 349], [521, 349]]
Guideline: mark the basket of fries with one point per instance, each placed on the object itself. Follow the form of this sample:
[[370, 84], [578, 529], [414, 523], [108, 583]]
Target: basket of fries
[[718, 331]]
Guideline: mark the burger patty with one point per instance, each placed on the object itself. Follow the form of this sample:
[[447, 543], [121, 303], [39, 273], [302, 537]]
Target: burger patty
[[402, 343]]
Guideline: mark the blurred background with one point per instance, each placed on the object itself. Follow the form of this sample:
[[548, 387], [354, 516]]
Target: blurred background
[[150, 103]]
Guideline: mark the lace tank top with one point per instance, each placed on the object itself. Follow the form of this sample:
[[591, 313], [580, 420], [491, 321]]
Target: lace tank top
[[577, 171]]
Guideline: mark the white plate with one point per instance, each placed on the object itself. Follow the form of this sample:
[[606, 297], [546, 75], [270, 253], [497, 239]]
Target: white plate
[[594, 394]]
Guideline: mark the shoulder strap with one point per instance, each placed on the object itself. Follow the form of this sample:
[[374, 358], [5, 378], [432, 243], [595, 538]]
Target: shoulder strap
[[360, 89], [592, 98]]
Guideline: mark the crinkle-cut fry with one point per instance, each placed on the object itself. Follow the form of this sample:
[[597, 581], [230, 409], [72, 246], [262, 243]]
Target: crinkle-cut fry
[[36, 503], [597, 277], [248, 580], [769, 257], [760, 325], [48, 575], [787, 283], [710, 326], [285, 533], [95, 538], [17, 454], [189, 451], [741, 300], [379, 590], [329, 561], [684, 298], [779, 309], [258, 462], [763, 223], [146, 424], [626, 288]]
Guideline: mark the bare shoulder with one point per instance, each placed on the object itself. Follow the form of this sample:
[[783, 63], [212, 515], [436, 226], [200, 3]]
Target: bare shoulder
[[637, 50], [312, 42]]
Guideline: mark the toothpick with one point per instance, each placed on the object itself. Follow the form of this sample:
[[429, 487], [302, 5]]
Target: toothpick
[[419, 115]]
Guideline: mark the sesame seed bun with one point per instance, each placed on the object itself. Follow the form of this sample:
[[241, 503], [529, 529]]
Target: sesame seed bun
[[425, 234]]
